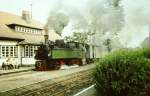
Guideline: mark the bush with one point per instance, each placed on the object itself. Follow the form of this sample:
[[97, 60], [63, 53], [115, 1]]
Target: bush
[[146, 52], [123, 73]]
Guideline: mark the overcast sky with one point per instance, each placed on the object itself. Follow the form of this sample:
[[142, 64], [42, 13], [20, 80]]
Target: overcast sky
[[40, 9], [136, 14]]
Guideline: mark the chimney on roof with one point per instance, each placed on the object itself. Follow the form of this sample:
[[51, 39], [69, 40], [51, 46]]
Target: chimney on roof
[[26, 16]]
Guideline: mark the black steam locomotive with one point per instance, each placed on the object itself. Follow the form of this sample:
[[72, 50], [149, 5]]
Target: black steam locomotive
[[54, 54]]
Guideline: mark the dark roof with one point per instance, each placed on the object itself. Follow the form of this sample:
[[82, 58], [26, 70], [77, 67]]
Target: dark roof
[[8, 18], [32, 39], [6, 32]]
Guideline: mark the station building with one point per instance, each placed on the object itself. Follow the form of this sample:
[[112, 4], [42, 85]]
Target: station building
[[20, 36]]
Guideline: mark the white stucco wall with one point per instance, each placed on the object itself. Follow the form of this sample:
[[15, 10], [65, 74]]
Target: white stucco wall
[[15, 60], [20, 58], [2, 60], [8, 42], [28, 61]]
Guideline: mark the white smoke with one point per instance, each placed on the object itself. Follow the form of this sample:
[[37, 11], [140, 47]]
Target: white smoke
[[137, 20], [98, 16]]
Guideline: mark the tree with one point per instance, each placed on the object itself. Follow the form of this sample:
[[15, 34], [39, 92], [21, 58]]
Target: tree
[[107, 43], [81, 37]]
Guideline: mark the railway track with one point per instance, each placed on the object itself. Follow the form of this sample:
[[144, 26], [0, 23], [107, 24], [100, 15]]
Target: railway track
[[34, 83], [61, 86], [53, 86]]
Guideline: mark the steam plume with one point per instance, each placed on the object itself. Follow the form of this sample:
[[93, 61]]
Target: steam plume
[[137, 15]]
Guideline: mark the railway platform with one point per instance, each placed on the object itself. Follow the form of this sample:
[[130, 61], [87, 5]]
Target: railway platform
[[11, 71]]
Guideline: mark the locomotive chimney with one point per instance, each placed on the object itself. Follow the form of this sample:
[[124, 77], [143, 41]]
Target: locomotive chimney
[[46, 37]]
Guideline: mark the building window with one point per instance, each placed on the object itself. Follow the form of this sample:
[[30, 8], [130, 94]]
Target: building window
[[11, 51], [3, 51], [31, 30], [15, 51], [34, 31], [27, 51], [38, 31], [27, 30], [8, 51], [16, 28], [19, 29], [30, 50]]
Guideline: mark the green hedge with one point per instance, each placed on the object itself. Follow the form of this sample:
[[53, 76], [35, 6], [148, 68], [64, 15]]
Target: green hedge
[[146, 52], [123, 73]]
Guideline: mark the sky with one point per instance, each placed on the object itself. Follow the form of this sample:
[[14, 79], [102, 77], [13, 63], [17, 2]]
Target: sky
[[136, 14], [40, 9]]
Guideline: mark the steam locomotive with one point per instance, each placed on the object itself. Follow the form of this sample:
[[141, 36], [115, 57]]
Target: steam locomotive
[[55, 54]]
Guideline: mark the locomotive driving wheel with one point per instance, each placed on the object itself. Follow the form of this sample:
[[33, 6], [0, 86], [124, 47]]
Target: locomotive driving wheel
[[38, 65], [57, 65]]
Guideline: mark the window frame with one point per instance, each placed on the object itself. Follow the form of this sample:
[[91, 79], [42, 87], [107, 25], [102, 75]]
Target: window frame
[[13, 53], [31, 50]]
